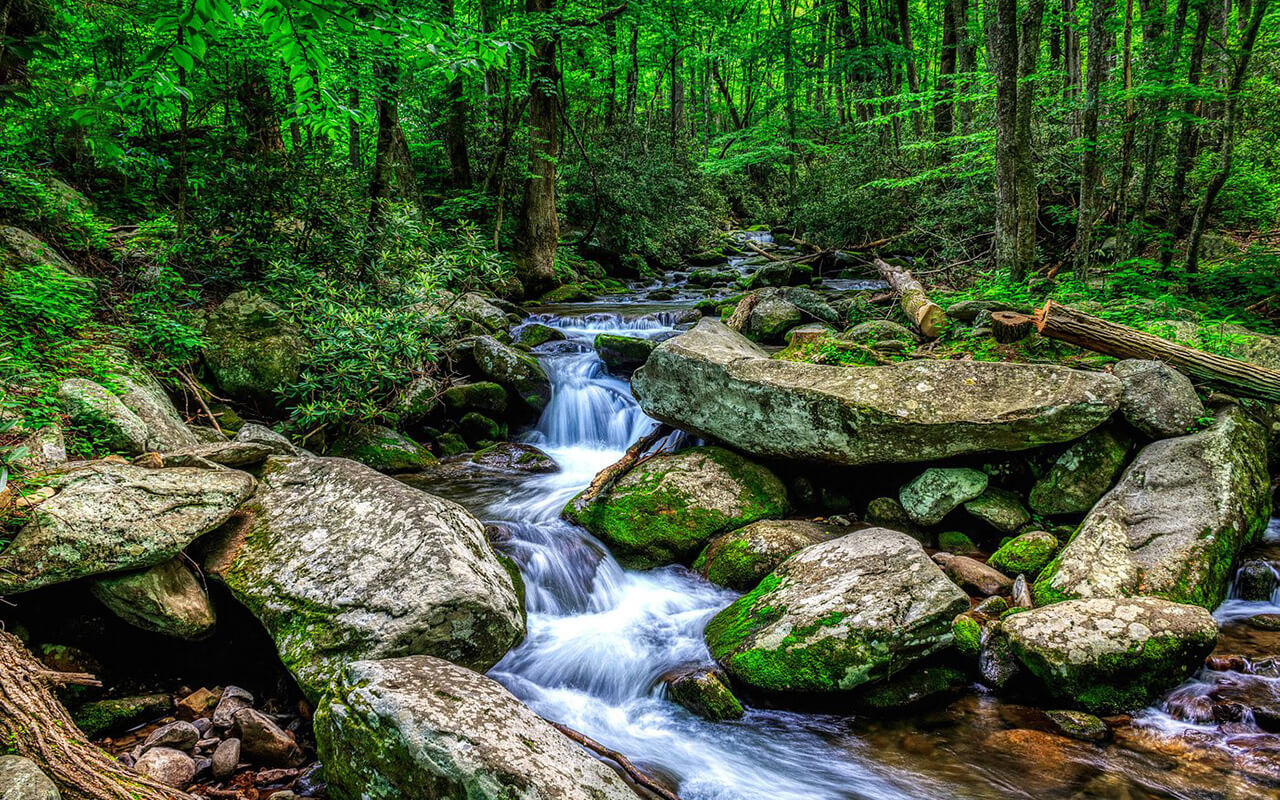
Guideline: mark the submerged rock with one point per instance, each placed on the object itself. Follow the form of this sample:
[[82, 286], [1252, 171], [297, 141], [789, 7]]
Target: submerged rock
[[715, 383], [704, 692], [1157, 399], [515, 457], [115, 517], [21, 779], [1174, 523], [940, 490], [838, 615], [420, 727], [251, 349], [340, 562], [1109, 655], [1082, 474], [668, 507], [740, 558], [165, 599], [623, 353]]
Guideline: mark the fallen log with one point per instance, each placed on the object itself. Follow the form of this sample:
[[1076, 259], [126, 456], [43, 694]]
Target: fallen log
[[926, 314], [632, 771], [742, 312], [1066, 324], [35, 725], [757, 248], [608, 476]]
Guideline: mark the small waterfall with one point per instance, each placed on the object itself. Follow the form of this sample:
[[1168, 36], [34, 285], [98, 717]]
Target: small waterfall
[[1251, 579], [599, 637]]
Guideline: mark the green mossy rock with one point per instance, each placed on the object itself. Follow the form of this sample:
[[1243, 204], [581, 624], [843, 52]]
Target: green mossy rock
[[569, 293], [667, 508], [1079, 725], [912, 688], [967, 633], [485, 397], [165, 599], [100, 417], [381, 448], [1082, 474], [516, 370], [879, 330], [740, 558], [535, 333], [957, 542], [450, 444], [887, 512], [1174, 524], [940, 490], [771, 317], [623, 353], [999, 508], [110, 517], [1026, 554], [514, 457], [104, 717], [479, 430], [838, 615], [706, 693], [339, 562], [252, 350], [1111, 655], [418, 728], [713, 382]]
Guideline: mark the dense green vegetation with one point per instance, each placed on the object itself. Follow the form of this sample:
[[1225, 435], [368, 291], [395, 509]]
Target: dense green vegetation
[[354, 161]]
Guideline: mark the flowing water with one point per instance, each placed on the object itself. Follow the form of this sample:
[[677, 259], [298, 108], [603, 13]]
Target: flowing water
[[600, 637]]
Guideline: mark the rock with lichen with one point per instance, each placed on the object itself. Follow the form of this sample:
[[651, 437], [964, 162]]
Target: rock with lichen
[[740, 558]]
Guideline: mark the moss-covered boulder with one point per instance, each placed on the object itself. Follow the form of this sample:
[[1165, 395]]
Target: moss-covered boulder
[[165, 599], [957, 542], [101, 418], [771, 316], [838, 615], [999, 508], [421, 727], [481, 431], [740, 558], [142, 394], [340, 562], [381, 448], [1157, 399], [938, 491], [515, 457], [118, 714], [17, 247], [879, 330], [110, 517], [1109, 655], [252, 349], [713, 382], [1082, 474], [704, 692], [623, 353], [669, 507], [1026, 554], [485, 397], [887, 512], [1174, 524], [569, 293], [502, 364], [912, 688], [535, 333]]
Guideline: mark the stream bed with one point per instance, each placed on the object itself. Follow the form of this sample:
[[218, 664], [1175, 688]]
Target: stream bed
[[600, 638]]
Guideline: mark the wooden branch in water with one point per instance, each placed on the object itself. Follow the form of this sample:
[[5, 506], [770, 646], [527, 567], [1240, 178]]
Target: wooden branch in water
[[35, 725], [635, 773], [1066, 324], [757, 248], [608, 476], [926, 314]]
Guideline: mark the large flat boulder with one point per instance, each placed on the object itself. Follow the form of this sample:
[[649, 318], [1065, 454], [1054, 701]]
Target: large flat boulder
[[1174, 523], [838, 615], [714, 382], [115, 517], [420, 727], [342, 563], [668, 507], [1111, 654]]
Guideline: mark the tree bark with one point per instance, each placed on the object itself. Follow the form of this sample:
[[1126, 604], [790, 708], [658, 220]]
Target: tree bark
[[1113, 339], [353, 101], [1186, 154], [259, 112], [1091, 162], [1008, 327], [35, 725], [915, 302], [393, 177], [943, 112], [1024, 152], [455, 119], [1002, 44], [538, 233]]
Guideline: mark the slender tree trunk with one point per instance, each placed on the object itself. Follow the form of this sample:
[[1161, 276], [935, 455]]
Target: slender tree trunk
[[353, 101], [258, 109], [1166, 61], [789, 94], [1002, 44], [1025, 160], [393, 177], [1091, 162], [966, 61], [633, 73], [943, 116], [611, 37], [1219, 179], [913, 72], [1072, 61], [1126, 157], [455, 119], [1186, 154], [184, 110], [538, 233]]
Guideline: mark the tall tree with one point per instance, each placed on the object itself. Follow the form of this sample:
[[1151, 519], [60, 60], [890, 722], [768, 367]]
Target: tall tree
[[455, 118], [1090, 206], [538, 231]]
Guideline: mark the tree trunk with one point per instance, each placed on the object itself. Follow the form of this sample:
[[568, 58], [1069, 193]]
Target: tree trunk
[[611, 37], [1002, 44], [353, 101], [455, 119], [1186, 154], [1219, 178], [393, 177], [35, 725], [1091, 163], [538, 232], [943, 115], [259, 112], [1120, 341], [1008, 327], [915, 302], [1024, 152], [633, 73]]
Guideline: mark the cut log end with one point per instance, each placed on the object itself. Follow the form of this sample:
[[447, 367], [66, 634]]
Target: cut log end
[[1009, 326]]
